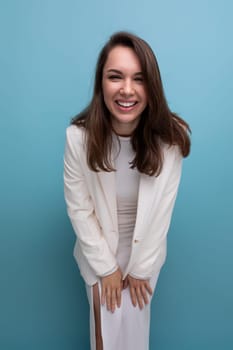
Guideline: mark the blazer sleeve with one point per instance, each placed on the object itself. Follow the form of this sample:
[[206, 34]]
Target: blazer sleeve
[[81, 210], [151, 252]]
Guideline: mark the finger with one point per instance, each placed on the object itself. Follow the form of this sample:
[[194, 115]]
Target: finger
[[144, 294], [113, 300], [148, 288], [118, 295], [108, 299], [133, 296], [125, 283], [103, 295], [121, 287], [139, 297]]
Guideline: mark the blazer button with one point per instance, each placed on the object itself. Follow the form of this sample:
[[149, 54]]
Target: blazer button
[[136, 241]]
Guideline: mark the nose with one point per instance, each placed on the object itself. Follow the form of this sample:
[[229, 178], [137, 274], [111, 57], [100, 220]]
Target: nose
[[127, 88]]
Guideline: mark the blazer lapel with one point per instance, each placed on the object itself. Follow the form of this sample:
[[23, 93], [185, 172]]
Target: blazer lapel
[[147, 190], [108, 184]]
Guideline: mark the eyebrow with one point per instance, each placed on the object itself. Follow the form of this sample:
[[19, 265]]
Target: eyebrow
[[119, 72]]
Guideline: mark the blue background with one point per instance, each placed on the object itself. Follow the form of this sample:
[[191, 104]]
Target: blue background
[[48, 52]]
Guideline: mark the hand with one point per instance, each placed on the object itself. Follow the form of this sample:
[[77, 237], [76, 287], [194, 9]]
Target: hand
[[139, 290], [111, 290]]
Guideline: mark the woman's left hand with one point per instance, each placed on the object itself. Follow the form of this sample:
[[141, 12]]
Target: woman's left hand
[[139, 290]]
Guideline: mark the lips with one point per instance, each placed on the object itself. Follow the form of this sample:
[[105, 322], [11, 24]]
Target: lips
[[126, 104]]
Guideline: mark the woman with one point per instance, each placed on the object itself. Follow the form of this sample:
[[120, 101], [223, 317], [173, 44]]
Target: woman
[[122, 169]]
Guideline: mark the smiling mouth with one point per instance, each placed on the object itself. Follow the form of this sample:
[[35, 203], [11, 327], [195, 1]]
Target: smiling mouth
[[126, 104]]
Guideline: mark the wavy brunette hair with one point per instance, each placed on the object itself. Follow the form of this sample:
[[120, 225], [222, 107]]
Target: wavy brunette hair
[[157, 124]]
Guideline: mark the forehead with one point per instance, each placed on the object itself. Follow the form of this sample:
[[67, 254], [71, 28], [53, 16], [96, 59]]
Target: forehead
[[122, 58]]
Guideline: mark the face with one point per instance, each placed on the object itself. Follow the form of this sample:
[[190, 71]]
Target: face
[[124, 89]]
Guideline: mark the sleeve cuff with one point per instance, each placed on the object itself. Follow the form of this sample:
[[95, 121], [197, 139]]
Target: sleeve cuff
[[139, 277], [110, 272]]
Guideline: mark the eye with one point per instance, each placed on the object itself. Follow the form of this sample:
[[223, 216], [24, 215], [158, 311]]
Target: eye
[[114, 77], [139, 79]]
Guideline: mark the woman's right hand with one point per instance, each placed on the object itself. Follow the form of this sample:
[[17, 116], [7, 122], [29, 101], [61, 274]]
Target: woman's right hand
[[111, 290]]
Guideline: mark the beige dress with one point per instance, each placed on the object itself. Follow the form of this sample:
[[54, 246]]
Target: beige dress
[[128, 327]]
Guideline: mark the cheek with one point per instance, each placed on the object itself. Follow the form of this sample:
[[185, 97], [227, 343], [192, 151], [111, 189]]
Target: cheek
[[109, 93], [144, 95], [107, 96], [106, 90]]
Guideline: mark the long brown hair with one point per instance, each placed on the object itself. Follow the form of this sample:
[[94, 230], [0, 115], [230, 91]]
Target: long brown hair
[[157, 122]]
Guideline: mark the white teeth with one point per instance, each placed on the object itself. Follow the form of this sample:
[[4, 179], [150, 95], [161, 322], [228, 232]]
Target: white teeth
[[126, 104]]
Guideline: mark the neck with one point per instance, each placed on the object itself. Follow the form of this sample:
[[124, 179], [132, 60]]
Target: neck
[[123, 135]]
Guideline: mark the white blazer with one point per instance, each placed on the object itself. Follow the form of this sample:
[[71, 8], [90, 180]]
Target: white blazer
[[91, 206]]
